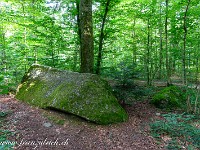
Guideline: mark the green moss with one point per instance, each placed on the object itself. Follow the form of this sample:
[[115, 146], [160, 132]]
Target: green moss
[[85, 95], [34, 92], [169, 97], [54, 118]]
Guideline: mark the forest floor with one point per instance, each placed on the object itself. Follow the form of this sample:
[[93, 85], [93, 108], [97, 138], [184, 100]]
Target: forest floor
[[34, 128]]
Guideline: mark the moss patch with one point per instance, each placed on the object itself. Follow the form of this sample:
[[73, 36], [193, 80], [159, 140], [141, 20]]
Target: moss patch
[[82, 94], [169, 97]]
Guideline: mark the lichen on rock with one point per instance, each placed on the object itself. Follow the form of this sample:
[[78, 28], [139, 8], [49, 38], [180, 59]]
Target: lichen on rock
[[83, 94]]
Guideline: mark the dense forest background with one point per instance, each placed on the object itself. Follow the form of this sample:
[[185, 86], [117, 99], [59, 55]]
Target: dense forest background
[[146, 39]]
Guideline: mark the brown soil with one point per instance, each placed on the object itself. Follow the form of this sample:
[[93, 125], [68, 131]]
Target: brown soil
[[71, 133]]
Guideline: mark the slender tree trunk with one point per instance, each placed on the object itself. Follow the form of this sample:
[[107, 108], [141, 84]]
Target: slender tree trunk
[[78, 21], [161, 45], [3, 51], [86, 42], [25, 40], [134, 43], [197, 63], [155, 62], [35, 55], [101, 38], [77, 53], [166, 45], [197, 70], [35, 47], [148, 55], [184, 44], [52, 53]]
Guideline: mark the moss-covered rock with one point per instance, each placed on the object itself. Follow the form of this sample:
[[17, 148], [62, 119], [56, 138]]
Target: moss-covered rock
[[82, 94], [169, 98]]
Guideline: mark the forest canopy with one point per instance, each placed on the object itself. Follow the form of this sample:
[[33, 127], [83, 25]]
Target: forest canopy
[[148, 39]]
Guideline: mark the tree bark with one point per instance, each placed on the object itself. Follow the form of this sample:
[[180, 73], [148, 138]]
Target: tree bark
[[134, 44], [197, 63], [148, 55], [86, 41], [161, 45], [166, 45], [25, 40], [184, 43], [78, 21], [3, 62]]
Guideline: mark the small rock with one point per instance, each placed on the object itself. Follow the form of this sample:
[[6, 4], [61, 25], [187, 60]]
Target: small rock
[[47, 124], [157, 114]]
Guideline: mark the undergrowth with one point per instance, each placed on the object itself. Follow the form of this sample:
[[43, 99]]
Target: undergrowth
[[130, 93], [5, 144], [183, 131]]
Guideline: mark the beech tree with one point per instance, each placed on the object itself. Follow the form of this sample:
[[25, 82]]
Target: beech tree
[[86, 36], [184, 42]]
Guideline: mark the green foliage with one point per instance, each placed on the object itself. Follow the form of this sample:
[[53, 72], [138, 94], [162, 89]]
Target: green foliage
[[3, 89], [180, 128], [123, 72], [8, 83], [4, 143], [169, 97], [128, 95], [3, 86], [132, 93], [46, 33], [3, 114], [4, 134]]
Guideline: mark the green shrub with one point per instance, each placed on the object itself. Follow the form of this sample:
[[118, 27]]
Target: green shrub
[[3, 89]]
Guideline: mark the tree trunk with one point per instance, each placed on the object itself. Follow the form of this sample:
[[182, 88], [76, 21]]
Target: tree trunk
[[25, 40], [161, 46], [166, 46], [134, 44], [148, 55], [86, 41], [101, 38], [197, 63], [3, 51], [184, 44], [76, 52], [78, 21]]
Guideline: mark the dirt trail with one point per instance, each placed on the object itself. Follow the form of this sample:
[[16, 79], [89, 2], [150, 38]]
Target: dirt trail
[[31, 130]]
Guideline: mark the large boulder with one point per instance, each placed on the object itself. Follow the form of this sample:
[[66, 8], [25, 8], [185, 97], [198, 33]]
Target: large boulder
[[83, 94]]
